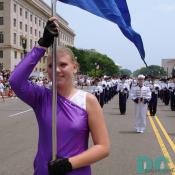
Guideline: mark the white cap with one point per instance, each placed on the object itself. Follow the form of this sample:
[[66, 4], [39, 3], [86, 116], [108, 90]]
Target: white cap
[[141, 76], [104, 76]]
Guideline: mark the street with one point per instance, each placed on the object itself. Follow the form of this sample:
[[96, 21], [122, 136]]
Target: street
[[18, 139]]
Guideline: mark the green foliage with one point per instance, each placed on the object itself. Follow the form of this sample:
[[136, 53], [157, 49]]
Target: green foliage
[[125, 72], [153, 70], [95, 64]]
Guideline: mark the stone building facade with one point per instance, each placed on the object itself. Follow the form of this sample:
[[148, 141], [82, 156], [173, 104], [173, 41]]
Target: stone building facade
[[168, 65], [23, 21]]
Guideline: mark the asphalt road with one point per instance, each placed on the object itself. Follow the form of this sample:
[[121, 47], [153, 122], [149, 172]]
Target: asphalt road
[[18, 139]]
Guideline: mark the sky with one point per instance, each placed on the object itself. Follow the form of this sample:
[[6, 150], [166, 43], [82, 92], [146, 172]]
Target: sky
[[153, 20]]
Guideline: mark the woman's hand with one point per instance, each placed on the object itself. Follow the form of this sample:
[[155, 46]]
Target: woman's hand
[[50, 31]]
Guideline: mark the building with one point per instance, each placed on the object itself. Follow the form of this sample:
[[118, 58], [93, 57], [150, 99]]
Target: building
[[168, 65], [21, 25]]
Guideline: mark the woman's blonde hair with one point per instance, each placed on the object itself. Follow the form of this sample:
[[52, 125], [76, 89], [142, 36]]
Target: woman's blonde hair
[[62, 50]]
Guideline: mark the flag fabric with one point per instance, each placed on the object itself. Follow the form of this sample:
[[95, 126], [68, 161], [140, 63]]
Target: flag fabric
[[115, 11]]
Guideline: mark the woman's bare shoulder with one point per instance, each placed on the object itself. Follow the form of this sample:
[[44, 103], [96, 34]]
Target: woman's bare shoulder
[[90, 97]]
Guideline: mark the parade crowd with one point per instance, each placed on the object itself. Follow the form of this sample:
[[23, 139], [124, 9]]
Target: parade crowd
[[144, 91]]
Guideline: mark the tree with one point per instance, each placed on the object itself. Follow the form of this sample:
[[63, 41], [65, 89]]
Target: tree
[[89, 60], [125, 72], [153, 70], [136, 73]]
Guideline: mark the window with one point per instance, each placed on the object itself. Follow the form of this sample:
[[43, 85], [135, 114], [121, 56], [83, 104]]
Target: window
[[35, 20], [1, 5], [31, 30], [26, 14], [1, 20], [39, 22], [43, 24], [26, 27], [31, 17], [20, 25], [39, 34], [14, 22], [14, 8], [14, 38], [15, 54], [1, 37], [1, 53], [20, 11], [35, 32]]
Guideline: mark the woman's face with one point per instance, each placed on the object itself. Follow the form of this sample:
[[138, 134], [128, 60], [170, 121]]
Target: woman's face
[[65, 69]]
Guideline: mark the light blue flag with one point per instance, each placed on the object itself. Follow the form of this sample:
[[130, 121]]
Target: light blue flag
[[115, 11]]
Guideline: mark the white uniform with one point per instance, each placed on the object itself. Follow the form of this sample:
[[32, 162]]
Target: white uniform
[[155, 87], [122, 86], [171, 86], [140, 107], [134, 83], [1, 88]]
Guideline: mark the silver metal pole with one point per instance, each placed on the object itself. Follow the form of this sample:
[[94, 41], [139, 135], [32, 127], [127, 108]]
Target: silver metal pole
[[54, 92]]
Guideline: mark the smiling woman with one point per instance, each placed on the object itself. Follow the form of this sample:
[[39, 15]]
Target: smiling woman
[[66, 67], [78, 112]]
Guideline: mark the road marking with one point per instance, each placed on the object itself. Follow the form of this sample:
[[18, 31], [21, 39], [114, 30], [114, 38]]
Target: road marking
[[162, 146], [165, 134], [19, 113]]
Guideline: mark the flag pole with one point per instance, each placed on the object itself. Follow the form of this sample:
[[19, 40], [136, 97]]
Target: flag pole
[[54, 92]]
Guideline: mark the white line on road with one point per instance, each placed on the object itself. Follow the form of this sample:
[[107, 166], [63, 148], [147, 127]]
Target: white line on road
[[19, 113]]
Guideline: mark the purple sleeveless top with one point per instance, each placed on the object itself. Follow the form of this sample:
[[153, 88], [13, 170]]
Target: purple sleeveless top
[[72, 120]]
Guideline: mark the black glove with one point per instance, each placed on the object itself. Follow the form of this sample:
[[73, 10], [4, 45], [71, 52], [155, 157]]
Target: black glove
[[136, 100], [59, 167], [50, 31], [156, 88], [145, 101]]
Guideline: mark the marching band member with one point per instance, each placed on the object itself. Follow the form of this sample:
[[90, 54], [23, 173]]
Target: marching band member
[[171, 87], [165, 91], [154, 87], [123, 89], [141, 95]]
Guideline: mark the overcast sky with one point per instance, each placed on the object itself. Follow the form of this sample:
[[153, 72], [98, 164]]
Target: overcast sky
[[153, 20]]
